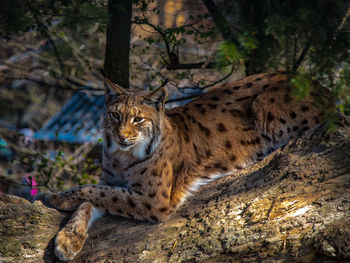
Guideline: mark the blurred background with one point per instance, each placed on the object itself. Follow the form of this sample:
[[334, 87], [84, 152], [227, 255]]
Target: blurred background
[[52, 53]]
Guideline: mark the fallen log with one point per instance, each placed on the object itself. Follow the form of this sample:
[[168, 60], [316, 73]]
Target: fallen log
[[294, 206]]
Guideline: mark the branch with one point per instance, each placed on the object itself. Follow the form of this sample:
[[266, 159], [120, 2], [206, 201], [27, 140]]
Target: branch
[[76, 53], [220, 80], [51, 85], [192, 96], [158, 30], [308, 43], [76, 157], [47, 35], [302, 55], [173, 62], [220, 21], [342, 23], [191, 65]]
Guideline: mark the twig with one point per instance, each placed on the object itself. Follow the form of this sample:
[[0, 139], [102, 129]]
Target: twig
[[302, 55], [197, 65], [47, 35], [342, 23], [192, 96], [164, 83], [172, 52], [76, 53], [221, 22], [157, 29], [51, 85], [220, 80], [77, 156]]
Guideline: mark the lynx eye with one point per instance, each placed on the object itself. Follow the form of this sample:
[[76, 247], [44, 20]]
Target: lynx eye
[[115, 115], [138, 119]]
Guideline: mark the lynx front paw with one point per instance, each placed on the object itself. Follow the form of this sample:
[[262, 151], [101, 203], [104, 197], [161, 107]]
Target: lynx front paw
[[69, 242]]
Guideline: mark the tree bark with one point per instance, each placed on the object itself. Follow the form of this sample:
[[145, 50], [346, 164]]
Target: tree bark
[[294, 206], [116, 66]]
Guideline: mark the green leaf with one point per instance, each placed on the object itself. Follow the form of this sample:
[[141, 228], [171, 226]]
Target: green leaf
[[227, 55], [301, 86]]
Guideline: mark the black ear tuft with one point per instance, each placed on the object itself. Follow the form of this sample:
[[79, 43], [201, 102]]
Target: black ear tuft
[[112, 88], [156, 97]]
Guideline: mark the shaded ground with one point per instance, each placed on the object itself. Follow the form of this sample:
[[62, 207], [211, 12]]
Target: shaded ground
[[292, 207]]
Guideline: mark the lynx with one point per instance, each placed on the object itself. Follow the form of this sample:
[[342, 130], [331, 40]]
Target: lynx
[[154, 158]]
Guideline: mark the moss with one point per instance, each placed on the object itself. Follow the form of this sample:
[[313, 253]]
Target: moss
[[33, 243], [10, 247], [20, 222], [8, 229], [33, 219]]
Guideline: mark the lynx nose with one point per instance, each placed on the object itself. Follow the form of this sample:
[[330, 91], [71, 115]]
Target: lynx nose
[[123, 136]]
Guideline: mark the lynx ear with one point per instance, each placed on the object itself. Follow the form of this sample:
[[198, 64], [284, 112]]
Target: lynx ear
[[156, 97], [112, 88]]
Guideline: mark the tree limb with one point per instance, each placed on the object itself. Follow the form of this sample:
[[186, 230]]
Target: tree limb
[[302, 55], [221, 22], [291, 207], [196, 65]]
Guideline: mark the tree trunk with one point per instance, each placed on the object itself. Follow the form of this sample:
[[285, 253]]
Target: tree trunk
[[116, 66], [294, 206]]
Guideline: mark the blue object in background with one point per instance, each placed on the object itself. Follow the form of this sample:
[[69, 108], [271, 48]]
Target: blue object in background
[[80, 120], [5, 152]]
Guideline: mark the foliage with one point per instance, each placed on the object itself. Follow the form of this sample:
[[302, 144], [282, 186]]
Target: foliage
[[306, 36], [228, 55], [302, 86], [56, 171], [19, 16], [195, 32], [343, 90], [310, 38], [51, 36], [66, 41]]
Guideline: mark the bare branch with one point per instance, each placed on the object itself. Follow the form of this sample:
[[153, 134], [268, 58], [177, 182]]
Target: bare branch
[[48, 36], [196, 65], [172, 51], [220, 21], [192, 96], [158, 30], [53, 84], [302, 55]]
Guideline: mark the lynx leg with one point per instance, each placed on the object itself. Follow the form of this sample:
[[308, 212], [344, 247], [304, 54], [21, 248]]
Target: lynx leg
[[70, 240], [61, 202]]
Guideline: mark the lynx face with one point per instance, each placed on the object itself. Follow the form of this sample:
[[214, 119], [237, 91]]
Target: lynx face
[[129, 126], [134, 118]]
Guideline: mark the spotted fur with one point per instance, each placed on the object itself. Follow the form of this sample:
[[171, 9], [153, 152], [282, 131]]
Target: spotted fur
[[153, 158]]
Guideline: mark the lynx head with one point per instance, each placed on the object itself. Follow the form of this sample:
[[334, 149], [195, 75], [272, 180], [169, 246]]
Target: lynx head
[[134, 118]]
